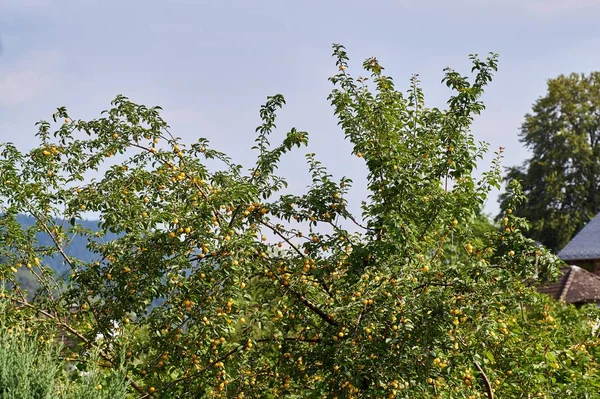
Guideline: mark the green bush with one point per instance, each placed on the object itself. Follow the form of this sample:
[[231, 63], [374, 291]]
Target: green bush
[[27, 369], [31, 368]]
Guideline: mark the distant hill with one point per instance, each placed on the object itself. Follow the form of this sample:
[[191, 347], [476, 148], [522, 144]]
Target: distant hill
[[77, 248]]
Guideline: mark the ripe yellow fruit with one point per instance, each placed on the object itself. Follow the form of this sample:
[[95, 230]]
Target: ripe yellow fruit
[[469, 248], [511, 253], [46, 153], [151, 389], [359, 154]]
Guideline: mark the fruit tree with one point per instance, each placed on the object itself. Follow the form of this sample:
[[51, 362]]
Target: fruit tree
[[221, 285]]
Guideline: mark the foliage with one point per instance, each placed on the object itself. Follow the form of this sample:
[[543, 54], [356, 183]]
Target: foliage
[[267, 294], [25, 370], [30, 368], [560, 179]]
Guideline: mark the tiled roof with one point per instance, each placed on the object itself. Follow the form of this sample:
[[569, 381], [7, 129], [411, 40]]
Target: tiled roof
[[585, 245], [575, 285], [555, 290]]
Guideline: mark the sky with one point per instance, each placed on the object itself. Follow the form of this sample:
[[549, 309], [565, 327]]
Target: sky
[[211, 64]]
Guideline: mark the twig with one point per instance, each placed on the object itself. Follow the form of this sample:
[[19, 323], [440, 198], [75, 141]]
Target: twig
[[488, 385], [287, 240], [315, 309], [324, 316]]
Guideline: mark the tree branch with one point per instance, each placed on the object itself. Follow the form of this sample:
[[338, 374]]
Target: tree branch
[[488, 385]]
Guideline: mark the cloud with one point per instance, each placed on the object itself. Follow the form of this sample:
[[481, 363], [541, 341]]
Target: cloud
[[29, 77]]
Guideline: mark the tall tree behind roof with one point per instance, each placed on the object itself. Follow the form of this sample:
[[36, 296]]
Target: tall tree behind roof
[[561, 179]]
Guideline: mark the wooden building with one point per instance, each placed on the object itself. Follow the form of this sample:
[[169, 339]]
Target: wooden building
[[580, 281], [584, 249], [575, 286]]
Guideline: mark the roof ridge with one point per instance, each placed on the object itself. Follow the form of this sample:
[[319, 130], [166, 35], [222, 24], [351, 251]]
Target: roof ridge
[[567, 285], [578, 268]]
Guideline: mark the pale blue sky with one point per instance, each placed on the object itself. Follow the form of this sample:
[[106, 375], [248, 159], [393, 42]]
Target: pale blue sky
[[211, 64]]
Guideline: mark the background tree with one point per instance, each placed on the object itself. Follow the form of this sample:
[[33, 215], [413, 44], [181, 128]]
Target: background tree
[[562, 178], [267, 295]]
